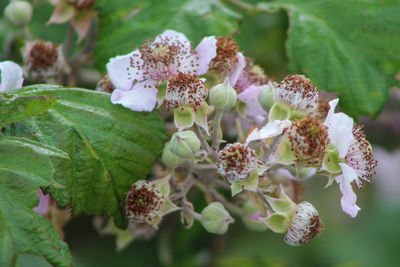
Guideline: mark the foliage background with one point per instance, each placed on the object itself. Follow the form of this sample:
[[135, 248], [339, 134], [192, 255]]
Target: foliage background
[[372, 239]]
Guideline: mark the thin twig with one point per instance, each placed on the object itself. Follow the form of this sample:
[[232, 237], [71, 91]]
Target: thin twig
[[218, 197], [203, 142], [184, 188]]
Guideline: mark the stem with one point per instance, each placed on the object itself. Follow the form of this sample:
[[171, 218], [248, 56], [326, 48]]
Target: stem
[[217, 196], [69, 39], [262, 196], [184, 188], [216, 126], [195, 215], [200, 167], [203, 142]]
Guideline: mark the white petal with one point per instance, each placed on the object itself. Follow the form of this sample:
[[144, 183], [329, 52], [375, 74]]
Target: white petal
[[11, 76], [173, 38], [270, 130], [234, 76], [340, 129], [349, 198], [206, 51], [123, 73], [140, 98]]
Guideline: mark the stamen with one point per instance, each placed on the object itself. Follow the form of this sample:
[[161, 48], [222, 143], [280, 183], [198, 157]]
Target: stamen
[[226, 58]]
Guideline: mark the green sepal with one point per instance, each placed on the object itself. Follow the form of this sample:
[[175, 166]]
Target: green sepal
[[285, 154], [279, 223], [283, 204], [249, 184], [331, 161], [184, 117], [162, 91], [200, 117], [297, 114], [279, 111]]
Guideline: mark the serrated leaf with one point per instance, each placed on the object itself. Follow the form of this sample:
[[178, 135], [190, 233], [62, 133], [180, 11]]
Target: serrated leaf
[[349, 47], [19, 108], [110, 148], [24, 166], [125, 24]]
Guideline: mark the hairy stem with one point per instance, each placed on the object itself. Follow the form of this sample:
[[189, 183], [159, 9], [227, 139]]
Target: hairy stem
[[220, 198]]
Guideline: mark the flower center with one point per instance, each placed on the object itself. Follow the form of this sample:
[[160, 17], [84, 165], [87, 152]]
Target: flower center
[[42, 55], [226, 58], [185, 89], [298, 92], [144, 201], [236, 162]]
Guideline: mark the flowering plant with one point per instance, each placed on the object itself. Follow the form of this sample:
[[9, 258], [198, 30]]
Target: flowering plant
[[179, 121]]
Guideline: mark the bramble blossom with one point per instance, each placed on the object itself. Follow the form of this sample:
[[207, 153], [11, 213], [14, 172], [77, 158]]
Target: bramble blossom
[[11, 76], [354, 156], [138, 74]]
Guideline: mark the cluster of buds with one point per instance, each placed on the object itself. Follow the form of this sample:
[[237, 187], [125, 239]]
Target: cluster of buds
[[291, 134]]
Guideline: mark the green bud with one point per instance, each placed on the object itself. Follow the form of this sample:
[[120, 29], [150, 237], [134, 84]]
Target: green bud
[[184, 144], [266, 97], [216, 219], [279, 111], [170, 159], [223, 96], [18, 12]]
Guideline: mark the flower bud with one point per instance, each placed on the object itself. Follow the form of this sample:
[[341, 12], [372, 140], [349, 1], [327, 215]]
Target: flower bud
[[184, 144], [305, 225], [266, 96], [216, 219], [223, 96], [18, 12], [170, 159]]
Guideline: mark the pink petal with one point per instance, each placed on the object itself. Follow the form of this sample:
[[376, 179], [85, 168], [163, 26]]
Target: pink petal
[[253, 107], [81, 23], [44, 203], [234, 76], [206, 51], [142, 97], [174, 38], [11, 76], [340, 129], [270, 130], [121, 73], [62, 13], [349, 198]]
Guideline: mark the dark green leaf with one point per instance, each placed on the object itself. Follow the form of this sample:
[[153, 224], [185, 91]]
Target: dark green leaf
[[125, 24], [110, 147], [25, 166], [349, 47], [19, 108]]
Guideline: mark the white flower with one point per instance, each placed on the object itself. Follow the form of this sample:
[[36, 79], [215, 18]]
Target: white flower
[[11, 76], [356, 153], [137, 75], [271, 129]]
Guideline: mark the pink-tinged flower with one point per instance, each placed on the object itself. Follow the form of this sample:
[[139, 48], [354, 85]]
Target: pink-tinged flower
[[253, 107], [137, 75], [271, 129], [298, 92], [355, 156], [252, 75], [44, 203], [11, 76], [229, 61], [79, 12]]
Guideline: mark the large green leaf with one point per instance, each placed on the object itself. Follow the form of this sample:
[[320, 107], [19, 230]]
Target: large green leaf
[[19, 108], [24, 166], [125, 24], [349, 47], [110, 147]]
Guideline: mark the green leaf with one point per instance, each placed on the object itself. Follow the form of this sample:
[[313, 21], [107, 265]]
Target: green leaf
[[24, 166], [110, 147], [348, 47], [19, 108], [125, 24]]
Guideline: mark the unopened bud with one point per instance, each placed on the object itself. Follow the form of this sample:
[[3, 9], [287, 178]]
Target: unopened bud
[[266, 96], [216, 219], [18, 12], [223, 96], [170, 159], [304, 226], [184, 144]]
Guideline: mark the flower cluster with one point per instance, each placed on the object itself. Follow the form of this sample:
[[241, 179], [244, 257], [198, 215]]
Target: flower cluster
[[292, 134]]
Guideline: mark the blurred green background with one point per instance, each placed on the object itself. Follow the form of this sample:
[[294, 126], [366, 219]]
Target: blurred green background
[[370, 239]]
